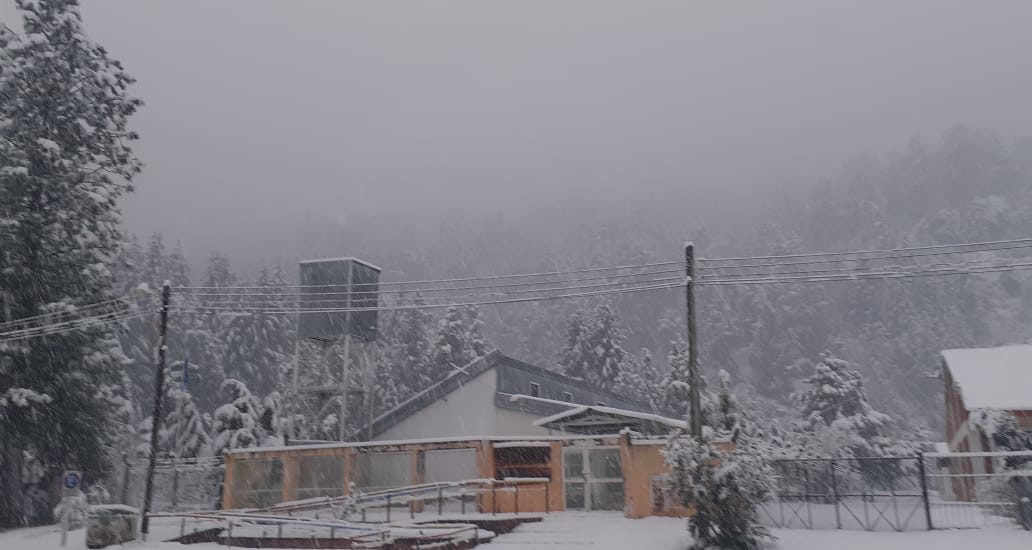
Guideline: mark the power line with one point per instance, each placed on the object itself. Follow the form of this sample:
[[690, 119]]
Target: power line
[[67, 326], [302, 298], [202, 309], [1026, 241], [272, 290], [871, 259], [857, 271], [456, 280], [78, 310], [866, 276]]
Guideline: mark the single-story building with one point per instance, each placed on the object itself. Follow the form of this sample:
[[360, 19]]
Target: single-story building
[[598, 472], [496, 419]]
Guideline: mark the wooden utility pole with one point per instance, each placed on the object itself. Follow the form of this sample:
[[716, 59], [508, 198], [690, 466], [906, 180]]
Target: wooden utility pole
[[695, 408], [159, 392]]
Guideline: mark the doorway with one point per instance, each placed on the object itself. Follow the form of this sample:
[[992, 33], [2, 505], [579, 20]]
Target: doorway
[[593, 478]]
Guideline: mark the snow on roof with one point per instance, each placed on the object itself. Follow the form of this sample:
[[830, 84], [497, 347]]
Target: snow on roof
[[344, 259], [473, 440], [520, 444], [993, 378], [648, 417]]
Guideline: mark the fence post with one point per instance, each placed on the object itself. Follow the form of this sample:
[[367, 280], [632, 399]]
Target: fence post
[[548, 502], [388, 508], [440, 499], [924, 490], [125, 479], [834, 493], [516, 498], [175, 485], [494, 501]]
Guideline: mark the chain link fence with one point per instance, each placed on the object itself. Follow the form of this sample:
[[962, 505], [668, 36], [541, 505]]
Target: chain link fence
[[179, 484], [934, 491]]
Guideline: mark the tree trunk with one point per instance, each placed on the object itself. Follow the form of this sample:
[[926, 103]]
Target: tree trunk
[[11, 490]]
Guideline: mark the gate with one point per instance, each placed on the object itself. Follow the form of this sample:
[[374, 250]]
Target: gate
[[930, 491], [872, 494]]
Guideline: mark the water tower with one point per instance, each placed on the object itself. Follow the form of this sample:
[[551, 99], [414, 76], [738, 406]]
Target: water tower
[[338, 302]]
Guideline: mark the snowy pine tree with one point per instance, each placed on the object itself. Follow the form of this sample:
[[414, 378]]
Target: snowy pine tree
[[237, 423], [676, 384], [458, 343], [593, 351], [641, 381], [186, 432], [836, 406], [65, 160], [725, 476], [258, 344], [408, 338]]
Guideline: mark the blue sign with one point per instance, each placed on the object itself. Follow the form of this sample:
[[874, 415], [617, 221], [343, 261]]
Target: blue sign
[[71, 480]]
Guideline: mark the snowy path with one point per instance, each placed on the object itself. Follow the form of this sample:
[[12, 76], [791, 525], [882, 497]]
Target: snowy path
[[611, 531]]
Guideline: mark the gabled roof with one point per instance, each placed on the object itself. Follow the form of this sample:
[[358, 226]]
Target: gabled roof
[[423, 399], [992, 378], [597, 419], [461, 377]]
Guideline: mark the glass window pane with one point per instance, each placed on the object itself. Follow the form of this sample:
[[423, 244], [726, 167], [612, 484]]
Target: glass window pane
[[573, 464], [575, 496], [607, 496], [605, 463], [320, 476]]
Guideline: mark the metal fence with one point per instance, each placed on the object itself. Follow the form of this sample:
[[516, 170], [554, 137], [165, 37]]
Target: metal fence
[[179, 484], [895, 493]]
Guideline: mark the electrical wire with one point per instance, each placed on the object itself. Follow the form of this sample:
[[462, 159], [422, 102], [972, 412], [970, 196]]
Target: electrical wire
[[871, 259], [202, 309], [76, 325], [303, 298], [274, 289], [1026, 241], [463, 279], [866, 276], [78, 310]]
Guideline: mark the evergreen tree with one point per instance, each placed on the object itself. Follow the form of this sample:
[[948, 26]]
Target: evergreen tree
[[641, 381], [836, 399], [604, 347], [594, 348], [408, 340], [257, 343], [572, 360], [186, 429], [65, 160], [458, 342], [725, 476], [237, 423], [676, 385]]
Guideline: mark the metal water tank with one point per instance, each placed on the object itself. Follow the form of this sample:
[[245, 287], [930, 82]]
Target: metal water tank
[[330, 289]]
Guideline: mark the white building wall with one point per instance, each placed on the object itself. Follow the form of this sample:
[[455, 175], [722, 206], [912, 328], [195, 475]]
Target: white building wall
[[467, 411]]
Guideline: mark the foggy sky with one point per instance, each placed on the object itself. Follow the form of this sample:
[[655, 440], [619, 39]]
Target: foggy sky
[[262, 113]]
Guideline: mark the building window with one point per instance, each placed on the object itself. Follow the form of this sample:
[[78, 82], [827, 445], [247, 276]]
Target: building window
[[568, 397], [535, 389]]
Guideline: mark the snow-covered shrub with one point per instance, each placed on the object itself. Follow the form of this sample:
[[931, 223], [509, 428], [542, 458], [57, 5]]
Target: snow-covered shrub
[[725, 486], [724, 475]]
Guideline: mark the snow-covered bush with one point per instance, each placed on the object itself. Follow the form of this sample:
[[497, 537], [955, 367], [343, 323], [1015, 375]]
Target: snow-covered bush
[[725, 487], [724, 476]]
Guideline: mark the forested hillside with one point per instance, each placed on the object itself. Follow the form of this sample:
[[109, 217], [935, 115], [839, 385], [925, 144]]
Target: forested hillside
[[968, 185]]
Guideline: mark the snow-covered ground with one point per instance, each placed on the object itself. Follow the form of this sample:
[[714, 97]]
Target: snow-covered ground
[[611, 531], [603, 531]]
